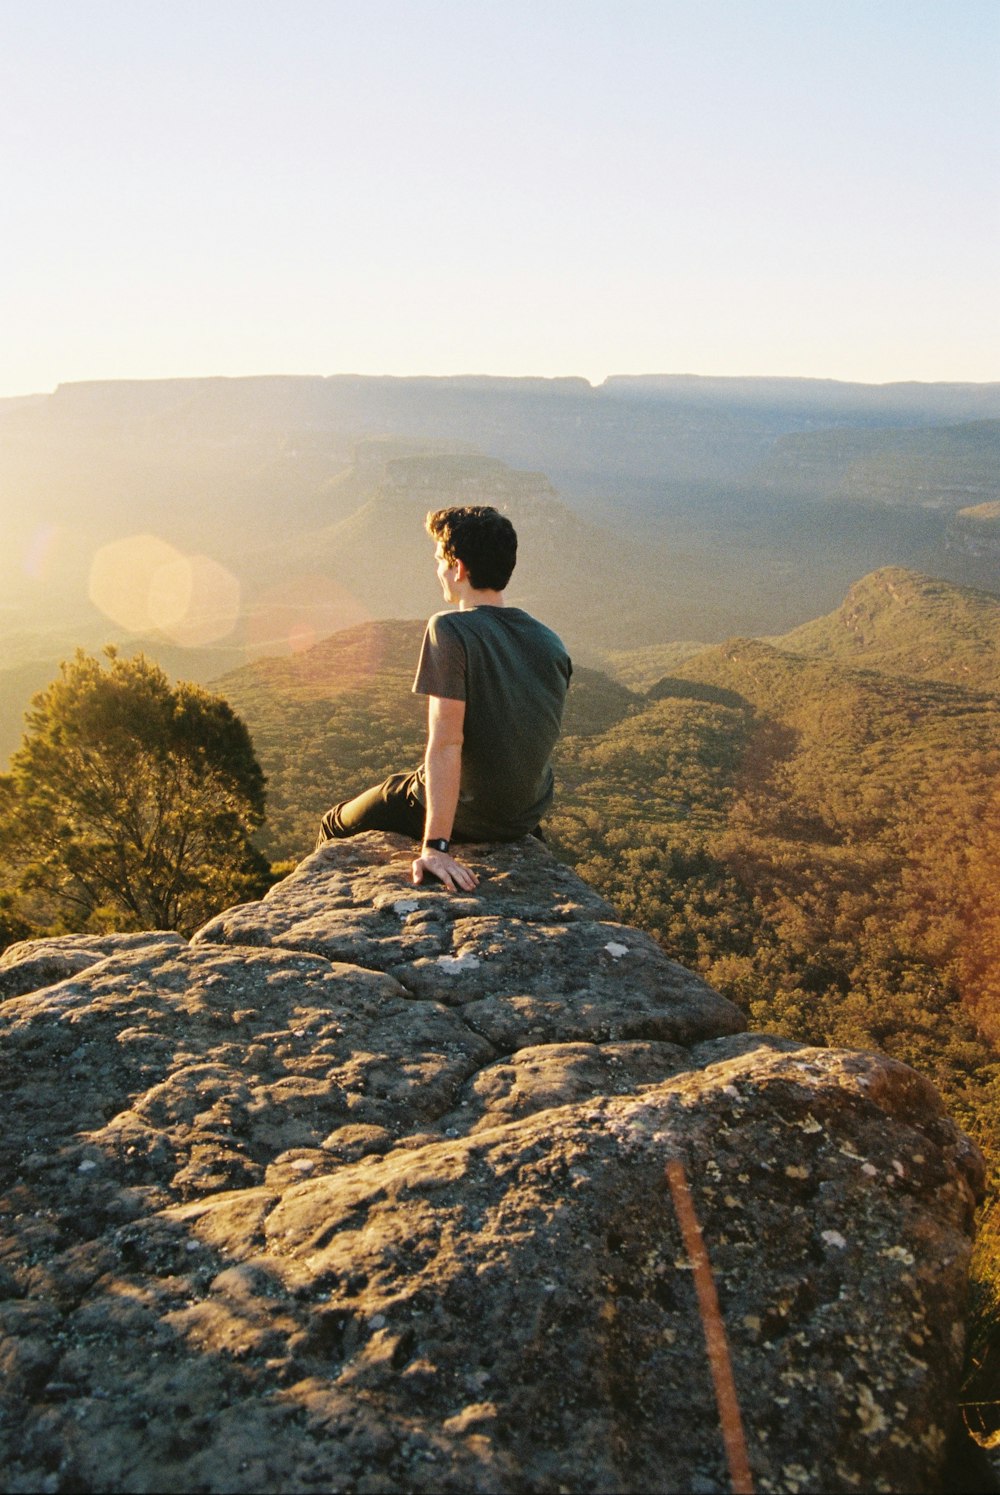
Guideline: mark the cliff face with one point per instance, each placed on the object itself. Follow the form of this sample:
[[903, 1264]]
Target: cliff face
[[364, 1189]]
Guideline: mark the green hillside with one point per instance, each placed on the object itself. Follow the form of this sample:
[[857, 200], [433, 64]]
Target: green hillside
[[907, 624], [815, 840], [822, 843]]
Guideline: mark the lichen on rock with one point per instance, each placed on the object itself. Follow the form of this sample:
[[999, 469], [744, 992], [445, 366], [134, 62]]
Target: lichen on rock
[[364, 1188]]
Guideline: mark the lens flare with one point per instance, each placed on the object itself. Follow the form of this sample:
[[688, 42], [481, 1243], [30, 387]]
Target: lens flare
[[146, 585], [195, 602], [39, 551], [121, 576]]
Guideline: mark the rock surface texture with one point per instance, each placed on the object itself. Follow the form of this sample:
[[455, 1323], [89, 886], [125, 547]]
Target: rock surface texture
[[364, 1189]]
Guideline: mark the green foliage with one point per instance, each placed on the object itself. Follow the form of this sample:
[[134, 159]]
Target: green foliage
[[902, 623], [130, 803], [822, 844]]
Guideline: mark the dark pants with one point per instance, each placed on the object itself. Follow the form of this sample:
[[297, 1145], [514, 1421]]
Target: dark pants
[[392, 806]]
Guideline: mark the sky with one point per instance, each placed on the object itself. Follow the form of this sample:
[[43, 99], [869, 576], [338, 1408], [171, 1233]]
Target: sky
[[548, 187]]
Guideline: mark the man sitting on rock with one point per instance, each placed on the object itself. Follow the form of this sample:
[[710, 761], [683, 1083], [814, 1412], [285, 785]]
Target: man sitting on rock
[[497, 681]]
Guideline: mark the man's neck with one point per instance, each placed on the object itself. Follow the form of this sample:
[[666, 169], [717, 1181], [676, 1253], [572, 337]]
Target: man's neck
[[483, 597]]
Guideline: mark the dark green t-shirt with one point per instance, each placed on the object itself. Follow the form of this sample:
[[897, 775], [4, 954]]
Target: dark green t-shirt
[[512, 673]]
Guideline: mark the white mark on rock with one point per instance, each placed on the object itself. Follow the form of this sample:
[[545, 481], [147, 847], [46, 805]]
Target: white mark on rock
[[456, 964], [404, 906], [898, 1167], [302, 1165], [615, 950], [86, 1166], [834, 1238], [869, 1169], [873, 1420], [898, 1253], [810, 1124]]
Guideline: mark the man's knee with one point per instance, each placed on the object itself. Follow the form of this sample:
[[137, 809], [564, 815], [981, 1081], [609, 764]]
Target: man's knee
[[390, 806], [330, 828]]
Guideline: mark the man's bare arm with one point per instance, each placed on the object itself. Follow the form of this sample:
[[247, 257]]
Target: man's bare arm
[[443, 770]]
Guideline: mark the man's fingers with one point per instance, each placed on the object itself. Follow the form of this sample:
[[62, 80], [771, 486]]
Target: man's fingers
[[455, 876]]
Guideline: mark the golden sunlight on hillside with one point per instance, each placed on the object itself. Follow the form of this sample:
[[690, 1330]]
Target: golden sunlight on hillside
[[295, 615]]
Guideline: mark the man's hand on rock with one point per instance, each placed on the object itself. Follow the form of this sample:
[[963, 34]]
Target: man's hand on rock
[[456, 876]]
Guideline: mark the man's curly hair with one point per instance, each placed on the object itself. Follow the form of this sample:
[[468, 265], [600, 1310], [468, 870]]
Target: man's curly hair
[[481, 537]]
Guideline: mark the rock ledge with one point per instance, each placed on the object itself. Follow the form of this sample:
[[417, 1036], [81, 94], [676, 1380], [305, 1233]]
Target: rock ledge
[[363, 1188]]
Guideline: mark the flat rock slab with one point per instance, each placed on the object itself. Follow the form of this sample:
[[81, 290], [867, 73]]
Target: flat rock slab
[[33, 964], [540, 955], [276, 1218], [527, 983], [354, 901], [515, 1310], [560, 1074], [192, 1070]]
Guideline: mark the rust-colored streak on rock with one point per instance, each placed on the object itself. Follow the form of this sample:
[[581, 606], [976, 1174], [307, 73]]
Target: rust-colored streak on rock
[[715, 1331]]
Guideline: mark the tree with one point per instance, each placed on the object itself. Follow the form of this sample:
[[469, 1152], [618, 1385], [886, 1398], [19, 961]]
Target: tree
[[130, 802]]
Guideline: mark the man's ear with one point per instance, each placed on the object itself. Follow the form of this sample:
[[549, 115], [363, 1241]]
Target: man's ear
[[461, 571]]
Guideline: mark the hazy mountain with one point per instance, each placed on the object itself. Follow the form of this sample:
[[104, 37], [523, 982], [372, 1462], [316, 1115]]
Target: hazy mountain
[[598, 588], [830, 401], [940, 467], [220, 455], [974, 532]]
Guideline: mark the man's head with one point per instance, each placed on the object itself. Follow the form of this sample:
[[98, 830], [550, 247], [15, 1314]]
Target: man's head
[[481, 538]]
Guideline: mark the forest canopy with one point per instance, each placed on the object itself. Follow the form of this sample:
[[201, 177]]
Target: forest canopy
[[130, 804]]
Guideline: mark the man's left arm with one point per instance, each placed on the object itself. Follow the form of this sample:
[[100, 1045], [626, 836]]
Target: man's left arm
[[443, 777]]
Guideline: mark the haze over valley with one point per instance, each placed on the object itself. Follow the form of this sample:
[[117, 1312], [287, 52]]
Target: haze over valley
[[214, 521]]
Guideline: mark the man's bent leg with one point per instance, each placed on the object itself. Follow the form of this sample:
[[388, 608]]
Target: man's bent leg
[[391, 806]]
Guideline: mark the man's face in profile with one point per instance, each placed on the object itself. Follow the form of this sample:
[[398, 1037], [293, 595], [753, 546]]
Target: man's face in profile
[[446, 573]]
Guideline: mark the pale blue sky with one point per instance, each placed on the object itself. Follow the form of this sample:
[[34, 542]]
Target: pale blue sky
[[498, 186]]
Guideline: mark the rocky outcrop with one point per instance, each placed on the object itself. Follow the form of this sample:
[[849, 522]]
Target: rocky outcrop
[[364, 1188]]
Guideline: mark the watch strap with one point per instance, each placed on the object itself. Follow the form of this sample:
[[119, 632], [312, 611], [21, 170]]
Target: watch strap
[[436, 843]]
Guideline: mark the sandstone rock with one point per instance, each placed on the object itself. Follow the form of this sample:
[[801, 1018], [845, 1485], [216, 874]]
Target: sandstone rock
[[32, 964], [279, 1217]]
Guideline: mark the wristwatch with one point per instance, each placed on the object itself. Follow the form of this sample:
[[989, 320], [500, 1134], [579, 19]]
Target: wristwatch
[[436, 843]]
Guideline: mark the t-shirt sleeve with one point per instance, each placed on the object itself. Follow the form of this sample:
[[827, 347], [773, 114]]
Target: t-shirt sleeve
[[441, 668]]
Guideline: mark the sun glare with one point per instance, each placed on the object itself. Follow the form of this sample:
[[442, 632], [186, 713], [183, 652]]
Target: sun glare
[[145, 584], [291, 618], [39, 551]]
